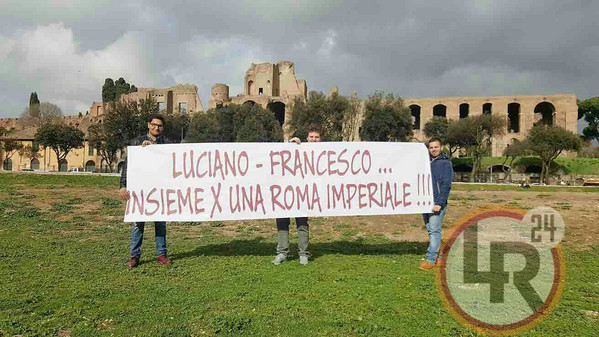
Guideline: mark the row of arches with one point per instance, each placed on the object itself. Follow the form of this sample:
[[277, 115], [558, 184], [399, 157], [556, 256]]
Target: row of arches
[[465, 168], [63, 165], [543, 111]]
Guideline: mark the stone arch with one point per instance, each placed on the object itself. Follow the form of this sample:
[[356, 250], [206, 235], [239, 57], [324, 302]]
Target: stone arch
[[440, 110], [250, 87], [462, 168], [415, 111], [487, 108], [7, 164], [544, 113], [35, 164], [513, 117], [90, 166], [250, 102], [499, 168], [63, 165], [533, 169], [120, 166], [278, 108], [464, 110]]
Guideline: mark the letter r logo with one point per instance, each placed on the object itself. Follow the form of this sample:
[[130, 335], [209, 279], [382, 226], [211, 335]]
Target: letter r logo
[[493, 277], [497, 277]]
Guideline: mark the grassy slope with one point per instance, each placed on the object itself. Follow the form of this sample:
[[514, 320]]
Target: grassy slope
[[584, 166], [70, 275]]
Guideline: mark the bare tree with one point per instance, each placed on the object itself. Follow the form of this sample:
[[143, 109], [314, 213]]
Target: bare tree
[[47, 112]]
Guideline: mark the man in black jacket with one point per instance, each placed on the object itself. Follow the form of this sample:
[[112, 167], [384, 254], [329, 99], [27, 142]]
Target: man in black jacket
[[154, 136]]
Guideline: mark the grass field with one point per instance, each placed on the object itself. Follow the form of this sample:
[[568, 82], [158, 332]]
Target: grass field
[[64, 248]]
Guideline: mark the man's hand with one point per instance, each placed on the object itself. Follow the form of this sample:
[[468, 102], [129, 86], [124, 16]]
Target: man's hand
[[124, 194], [146, 142], [295, 140], [437, 208]]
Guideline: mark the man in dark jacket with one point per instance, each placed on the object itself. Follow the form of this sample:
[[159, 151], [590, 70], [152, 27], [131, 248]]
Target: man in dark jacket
[[154, 136], [303, 229], [442, 177]]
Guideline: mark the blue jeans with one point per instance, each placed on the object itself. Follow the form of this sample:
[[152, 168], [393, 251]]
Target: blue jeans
[[433, 222], [137, 238]]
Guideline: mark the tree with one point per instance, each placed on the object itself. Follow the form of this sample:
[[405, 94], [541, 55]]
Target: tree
[[34, 105], [121, 87], [124, 121], [60, 138], [475, 134], [234, 123], [589, 108], [3, 133], [205, 128], [10, 146], [548, 142], [439, 127], [104, 139], [330, 112], [112, 90], [255, 124], [30, 152], [350, 118], [338, 111], [436, 127], [386, 119], [108, 91], [511, 152], [128, 120], [46, 112], [49, 111], [176, 126]]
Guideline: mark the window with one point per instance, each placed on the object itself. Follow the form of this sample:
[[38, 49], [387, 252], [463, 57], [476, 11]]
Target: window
[[161, 106], [7, 164], [487, 108], [183, 108], [90, 150], [415, 110], [35, 164], [260, 91]]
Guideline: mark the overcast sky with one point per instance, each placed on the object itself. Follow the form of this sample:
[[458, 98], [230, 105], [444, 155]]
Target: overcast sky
[[64, 49]]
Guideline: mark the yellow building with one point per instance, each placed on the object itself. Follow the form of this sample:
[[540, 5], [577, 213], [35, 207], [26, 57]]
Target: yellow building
[[84, 159]]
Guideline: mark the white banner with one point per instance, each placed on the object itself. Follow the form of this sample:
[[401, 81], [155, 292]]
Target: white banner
[[234, 181]]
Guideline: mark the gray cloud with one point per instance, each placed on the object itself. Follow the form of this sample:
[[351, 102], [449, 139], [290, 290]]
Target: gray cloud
[[65, 49]]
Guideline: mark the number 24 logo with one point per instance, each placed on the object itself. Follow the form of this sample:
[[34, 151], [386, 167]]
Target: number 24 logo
[[543, 223]]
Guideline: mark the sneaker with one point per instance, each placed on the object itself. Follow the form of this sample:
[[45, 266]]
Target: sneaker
[[163, 260], [426, 265], [133, 262], [279, 259], [303, 260]]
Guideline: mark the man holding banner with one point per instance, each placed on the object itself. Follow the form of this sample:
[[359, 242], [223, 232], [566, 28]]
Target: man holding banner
[[303, 231], [154, 136], [442, 177]]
